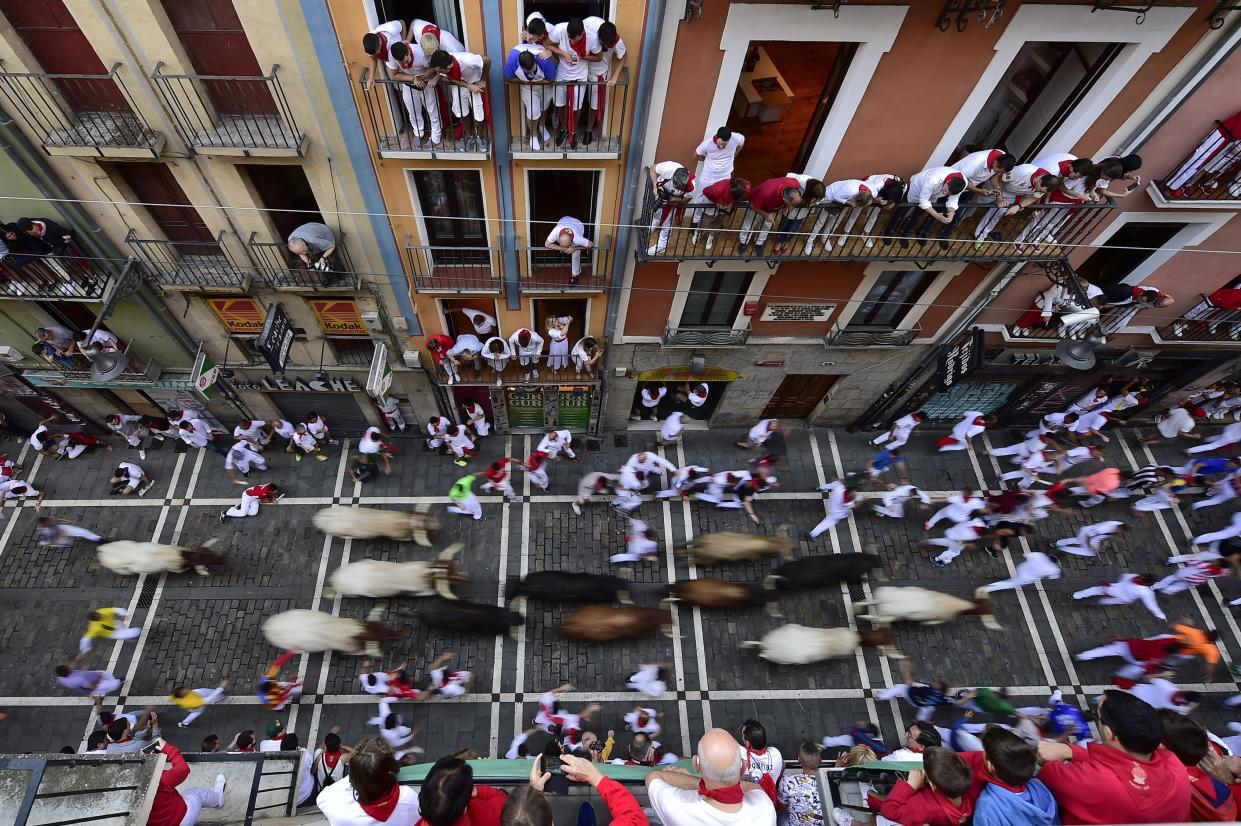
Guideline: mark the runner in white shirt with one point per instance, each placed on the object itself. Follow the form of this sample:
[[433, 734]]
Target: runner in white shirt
[[698, 394], [285, 430], [391, 412], [1089, 539], [557, 442], [671, 429], [251, 430], [239, 458], [450, 683], [897, 436], [132, 478], [316, 425], [1160, 693], [437, 431], [483, 324], [527, 345], [476, 418], [568, 237]]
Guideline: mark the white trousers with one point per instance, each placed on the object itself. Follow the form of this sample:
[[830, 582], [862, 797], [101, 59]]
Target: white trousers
[[420, 100], [248, 506], [751, 220], [197, 799], [210, 696], [1028, 576], [924, 714], [469, 506], [504, 487]]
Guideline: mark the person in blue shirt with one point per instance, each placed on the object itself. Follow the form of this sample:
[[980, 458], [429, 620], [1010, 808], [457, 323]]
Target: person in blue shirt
[[535, 73], [886, 460]]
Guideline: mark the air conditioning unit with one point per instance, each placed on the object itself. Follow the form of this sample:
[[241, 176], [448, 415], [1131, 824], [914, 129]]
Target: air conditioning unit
[[411, 359], [10, 355]]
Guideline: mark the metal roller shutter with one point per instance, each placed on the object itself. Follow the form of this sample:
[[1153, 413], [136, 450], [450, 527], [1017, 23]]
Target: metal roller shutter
[[344, 417]]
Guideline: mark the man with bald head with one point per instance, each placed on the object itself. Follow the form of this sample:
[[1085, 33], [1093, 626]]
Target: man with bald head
[[719, 797]]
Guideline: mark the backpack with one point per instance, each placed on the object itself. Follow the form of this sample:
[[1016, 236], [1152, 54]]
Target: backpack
[[323, 776]]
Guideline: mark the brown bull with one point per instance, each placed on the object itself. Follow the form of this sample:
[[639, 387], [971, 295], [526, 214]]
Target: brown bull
[[601, 623]]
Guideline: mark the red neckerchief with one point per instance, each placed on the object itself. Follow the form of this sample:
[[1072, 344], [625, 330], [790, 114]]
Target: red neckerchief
[[383, 808], [383, 47], [331, 758], [765, 782], [729, 795], [579, 47], [454, 71]]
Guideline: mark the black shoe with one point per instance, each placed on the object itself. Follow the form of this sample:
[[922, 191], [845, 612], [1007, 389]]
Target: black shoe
[[943, 244], [561, 134], [588, 138], [573, 143], [904, 242], [991, 553]]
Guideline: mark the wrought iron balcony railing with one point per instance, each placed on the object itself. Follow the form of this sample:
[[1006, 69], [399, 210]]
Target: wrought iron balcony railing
[[83, 114], [589, 123], [871, 336], [140, 370], [1063, 309], [1212, 172], [454, 269], [704, 337], [1206, 321], [833, 232], [67, 277], [544, 269], [232, 115], [406, 121], [284, 270], [194, 265]]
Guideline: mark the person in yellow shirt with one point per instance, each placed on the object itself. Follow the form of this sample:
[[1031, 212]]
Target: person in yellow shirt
[[196, 700], [107, 624], [1196, 642]]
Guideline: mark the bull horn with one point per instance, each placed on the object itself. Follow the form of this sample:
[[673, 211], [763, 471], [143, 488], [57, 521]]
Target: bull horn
[[989, 621], [624, 597], [773, 610], [892, 652], [744, 644], [769, 581], [451, 551], [668, 600], [208, 544], [670, 632], [442, 586]]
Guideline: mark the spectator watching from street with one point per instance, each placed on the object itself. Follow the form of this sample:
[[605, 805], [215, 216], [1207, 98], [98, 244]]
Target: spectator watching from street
[[173, 808], [1210, 800], [1009, 793], [718, 796], [448, 793], [527, 806], [370, 795], [934, 796]]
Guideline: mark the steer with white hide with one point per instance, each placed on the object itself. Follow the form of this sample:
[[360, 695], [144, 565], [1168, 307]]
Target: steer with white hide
[[303, 630], [801, 645], [126, 557], [376, 523], [377, 578], [728, 546], [910, 604]]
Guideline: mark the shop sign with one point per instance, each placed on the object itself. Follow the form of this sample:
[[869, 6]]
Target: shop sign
[[339, 317], [243, 316], [525, 408], [683, 373], [574, 408], [276, 339], [379, 379], [205, 374], [281, 384], [959, 360]]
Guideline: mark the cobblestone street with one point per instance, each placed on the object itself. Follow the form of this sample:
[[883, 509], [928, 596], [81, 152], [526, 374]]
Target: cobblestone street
[[198, 630]]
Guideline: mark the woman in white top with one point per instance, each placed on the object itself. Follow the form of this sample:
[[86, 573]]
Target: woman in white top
[[558, 342], [586, 354], [648, 402], [496, 353]]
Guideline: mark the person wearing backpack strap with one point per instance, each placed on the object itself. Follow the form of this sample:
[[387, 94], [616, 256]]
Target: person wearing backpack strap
[[331, 761]]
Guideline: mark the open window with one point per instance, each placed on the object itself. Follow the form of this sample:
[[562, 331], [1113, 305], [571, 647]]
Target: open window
[[555, 193], [783, 97], [1126, 250], [1044, 84]]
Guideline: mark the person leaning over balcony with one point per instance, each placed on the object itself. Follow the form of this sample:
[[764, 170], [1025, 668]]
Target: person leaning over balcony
[[575, 44], [1129, 166], [55, 237], [466, 348], [432, 38], [534, 73], [464, 71], [568, 237], [408, 63], [932, 196], [586, 354], [847, 193], [527, 806], [438, 345], [983, 171], [772, 196], [722, 197], [1023, 185], [673, 184], [314, 244], [889, 190], [527, 346], [376, 44], [812, 193], [601, 68], [496, 353]]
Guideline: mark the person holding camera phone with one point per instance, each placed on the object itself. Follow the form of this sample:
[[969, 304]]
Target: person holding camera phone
[[181, 808], [528, 804]]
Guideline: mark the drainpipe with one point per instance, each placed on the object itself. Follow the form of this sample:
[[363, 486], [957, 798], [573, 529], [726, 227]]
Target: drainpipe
[[633, 162], [877, 412], [91, 236], [500, 149]]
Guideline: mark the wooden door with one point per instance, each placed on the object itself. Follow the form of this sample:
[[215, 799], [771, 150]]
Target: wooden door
[[798, 395], [154, 185], [216, 44], [284, 189], [53, 37]]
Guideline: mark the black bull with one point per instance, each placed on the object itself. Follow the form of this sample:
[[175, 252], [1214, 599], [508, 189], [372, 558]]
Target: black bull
[[468, 617]]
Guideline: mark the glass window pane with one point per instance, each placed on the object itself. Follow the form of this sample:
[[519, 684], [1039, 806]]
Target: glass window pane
[[715, 298], [445, 197], [892, 296]]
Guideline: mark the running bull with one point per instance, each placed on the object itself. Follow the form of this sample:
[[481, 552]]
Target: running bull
[[375, 523], [376, 578], [910, 604], [736, 547], [599, 623], [126, 557], [468, 617], [560, 586], [822, 571], [801, 645], [303, 630]]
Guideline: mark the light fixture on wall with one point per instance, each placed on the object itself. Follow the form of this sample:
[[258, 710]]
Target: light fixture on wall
[[321, 376], [1079, 354]]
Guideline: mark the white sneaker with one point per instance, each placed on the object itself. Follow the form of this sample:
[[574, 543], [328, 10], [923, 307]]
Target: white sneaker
[[451, 380], [500, 381], [142, 454], [577, 508], [652, 249], [809, 248], [534, 373], [710, 242], [827, 243], [693, 238], [869, 242], [534, 143]]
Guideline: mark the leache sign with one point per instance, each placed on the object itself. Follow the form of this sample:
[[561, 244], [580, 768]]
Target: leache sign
[[278, 384]]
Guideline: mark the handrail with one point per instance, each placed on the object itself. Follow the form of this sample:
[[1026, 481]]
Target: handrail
[[387, 113], [281, 268], [453, 269], [576, 118], [1211, 172], [225, 113], [542, 268]]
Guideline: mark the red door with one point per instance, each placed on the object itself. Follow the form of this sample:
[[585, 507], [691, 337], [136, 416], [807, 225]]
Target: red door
[[153, 183], [211, 33], [53, 37]]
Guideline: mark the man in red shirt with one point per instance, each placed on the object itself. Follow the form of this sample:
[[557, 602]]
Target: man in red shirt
[[173, 808], [768, 198], [1125, 779], [438, 345], [448, 797], [716, 201]]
